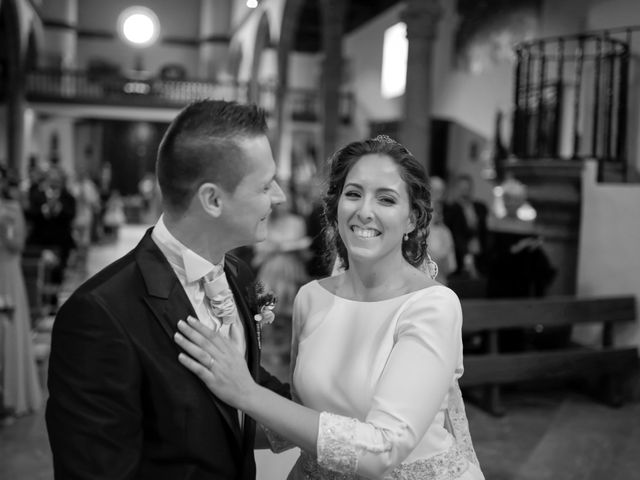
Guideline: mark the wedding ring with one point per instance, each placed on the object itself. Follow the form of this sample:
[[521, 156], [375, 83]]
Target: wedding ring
[[210, 364]]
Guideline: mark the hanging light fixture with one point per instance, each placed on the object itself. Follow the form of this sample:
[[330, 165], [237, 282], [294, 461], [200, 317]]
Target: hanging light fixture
[[139, 26]]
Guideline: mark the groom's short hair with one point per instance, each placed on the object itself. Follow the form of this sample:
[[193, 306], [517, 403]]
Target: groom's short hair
[[201, 145]]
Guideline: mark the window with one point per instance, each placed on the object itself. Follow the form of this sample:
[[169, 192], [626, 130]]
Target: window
[[394, 61]]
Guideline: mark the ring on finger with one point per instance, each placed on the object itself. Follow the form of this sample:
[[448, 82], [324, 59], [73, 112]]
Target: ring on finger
[[210, 363]]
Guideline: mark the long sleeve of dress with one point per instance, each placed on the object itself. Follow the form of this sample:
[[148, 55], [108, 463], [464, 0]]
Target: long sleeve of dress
[[409, 394]]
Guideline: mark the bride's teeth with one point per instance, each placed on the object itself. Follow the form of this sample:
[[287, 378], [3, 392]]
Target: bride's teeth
[[364, 232]]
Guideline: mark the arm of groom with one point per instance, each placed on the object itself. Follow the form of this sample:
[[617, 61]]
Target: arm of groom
[[93, 413]]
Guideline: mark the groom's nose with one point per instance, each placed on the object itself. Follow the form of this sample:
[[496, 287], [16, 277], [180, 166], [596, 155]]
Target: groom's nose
[[277, 194]]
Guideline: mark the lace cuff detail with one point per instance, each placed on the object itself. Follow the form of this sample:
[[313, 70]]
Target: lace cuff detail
[[336, 443], [277, 443], [458, 416]]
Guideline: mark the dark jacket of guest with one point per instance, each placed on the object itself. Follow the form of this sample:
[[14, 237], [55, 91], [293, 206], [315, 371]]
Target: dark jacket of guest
[[518, 266], [462, 232], [51, 219]]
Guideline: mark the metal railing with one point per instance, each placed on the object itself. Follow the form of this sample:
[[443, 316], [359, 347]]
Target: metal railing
[[85, 87], [570, 96]]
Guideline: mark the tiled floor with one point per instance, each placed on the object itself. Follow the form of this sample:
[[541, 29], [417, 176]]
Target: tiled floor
[[549, 434]]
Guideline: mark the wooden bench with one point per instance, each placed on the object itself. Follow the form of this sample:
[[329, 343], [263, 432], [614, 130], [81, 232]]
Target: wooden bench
[[494, 368]]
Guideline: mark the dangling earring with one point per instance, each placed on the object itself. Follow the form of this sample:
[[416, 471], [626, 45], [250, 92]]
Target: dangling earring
[[432, 267], [406, 237]]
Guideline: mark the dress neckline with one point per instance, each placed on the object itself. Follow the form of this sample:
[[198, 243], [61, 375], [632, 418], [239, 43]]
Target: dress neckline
[[404, 295]]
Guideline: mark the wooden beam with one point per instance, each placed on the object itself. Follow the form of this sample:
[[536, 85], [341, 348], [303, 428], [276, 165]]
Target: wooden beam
[[543, 365], [481, 315]]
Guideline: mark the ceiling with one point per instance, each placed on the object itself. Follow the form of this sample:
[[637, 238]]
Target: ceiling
[[308, 36]]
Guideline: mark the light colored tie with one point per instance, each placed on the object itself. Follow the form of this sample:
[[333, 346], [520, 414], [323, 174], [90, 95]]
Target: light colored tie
[[221, 304]]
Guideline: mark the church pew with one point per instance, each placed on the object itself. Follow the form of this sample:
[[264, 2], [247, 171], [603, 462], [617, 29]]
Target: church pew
[[493, 368]]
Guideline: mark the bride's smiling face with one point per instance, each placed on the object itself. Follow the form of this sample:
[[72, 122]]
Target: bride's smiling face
[[374, 209]]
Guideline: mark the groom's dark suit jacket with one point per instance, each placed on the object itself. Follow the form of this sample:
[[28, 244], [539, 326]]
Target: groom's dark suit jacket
[[121, 406]]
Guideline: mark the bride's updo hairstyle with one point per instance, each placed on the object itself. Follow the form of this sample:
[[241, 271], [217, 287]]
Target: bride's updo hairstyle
[[414, 249]]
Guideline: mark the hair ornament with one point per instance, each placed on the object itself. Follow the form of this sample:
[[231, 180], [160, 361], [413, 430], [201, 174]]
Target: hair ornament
[[385, 139]]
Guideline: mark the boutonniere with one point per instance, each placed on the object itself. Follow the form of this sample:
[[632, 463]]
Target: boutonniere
[[263, 304]]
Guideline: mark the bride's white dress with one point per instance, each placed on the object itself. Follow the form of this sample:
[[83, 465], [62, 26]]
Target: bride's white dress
[[387, 371]]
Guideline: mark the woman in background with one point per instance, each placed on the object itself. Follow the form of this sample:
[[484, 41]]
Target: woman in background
[[21, 391], [376, 350]]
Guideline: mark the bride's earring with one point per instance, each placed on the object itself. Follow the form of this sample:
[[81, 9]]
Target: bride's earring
[[432, 267]]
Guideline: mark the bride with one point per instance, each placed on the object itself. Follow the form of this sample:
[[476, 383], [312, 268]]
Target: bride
[[376, 350]]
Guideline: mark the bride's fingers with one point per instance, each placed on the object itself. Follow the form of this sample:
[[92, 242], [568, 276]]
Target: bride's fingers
[[197, 333], [200, 370], [195, 351], [200, 327]]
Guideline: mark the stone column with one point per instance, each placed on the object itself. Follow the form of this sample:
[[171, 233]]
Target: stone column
[[61, 36], [215, 19], [16, 81], [421, 17], [290, 19], [333, 13]]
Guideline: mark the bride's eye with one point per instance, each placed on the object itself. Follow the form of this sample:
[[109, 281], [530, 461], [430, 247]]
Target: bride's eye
[[351, 194], [387, 200]]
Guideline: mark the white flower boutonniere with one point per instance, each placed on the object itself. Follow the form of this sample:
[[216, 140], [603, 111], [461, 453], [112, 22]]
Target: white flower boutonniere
[[263, 304]]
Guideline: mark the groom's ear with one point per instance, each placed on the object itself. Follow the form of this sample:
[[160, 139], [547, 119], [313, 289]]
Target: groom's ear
[[210, 198]]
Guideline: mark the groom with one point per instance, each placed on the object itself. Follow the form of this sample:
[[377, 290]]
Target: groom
[[121, 406]]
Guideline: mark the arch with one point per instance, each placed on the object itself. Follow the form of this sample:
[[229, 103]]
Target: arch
[[262, 41], [35, 45]]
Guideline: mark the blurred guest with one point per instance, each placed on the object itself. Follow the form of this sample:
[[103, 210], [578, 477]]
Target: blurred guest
[[114, 216], [281, 259], [87, 207], [518, 265], [318, 265], [441, 246], [51, 212], [103, 182], [149, 192], [20, 382], [466, 217]]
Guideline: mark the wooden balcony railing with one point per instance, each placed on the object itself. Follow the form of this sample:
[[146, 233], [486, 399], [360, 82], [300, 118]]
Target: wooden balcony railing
[[75, 86]]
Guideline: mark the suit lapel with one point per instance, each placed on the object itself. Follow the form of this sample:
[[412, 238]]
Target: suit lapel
[[169, 303], [240, 294], [246, 316]]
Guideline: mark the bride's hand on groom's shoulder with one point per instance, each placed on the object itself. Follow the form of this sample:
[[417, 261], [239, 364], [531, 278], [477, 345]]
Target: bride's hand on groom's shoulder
[[215, 360]]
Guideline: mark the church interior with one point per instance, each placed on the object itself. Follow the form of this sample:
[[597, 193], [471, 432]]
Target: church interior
[[534, 99]]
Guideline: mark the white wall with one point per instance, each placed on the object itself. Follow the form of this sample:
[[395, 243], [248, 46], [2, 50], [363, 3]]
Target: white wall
[[608, 260]]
